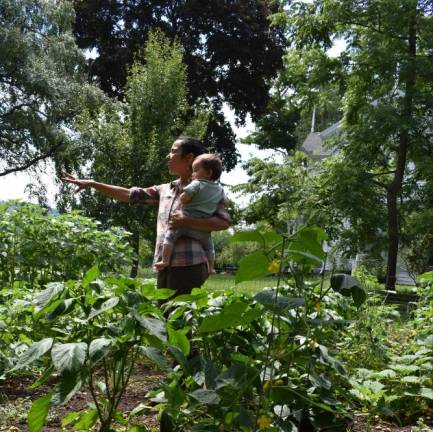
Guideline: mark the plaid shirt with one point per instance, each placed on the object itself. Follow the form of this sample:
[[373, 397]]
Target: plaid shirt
[[187, 251]]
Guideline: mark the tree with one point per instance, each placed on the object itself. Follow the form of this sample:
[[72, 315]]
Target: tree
[[277, 191], [388, 99], [131, 139], [307, 83], [42, 82], [231, 51]]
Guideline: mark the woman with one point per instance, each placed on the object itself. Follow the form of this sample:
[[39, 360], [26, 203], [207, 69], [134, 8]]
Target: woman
[[188, 267]]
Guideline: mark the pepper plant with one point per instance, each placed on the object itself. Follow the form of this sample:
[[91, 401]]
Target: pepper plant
[[94, 331], [37, 248], [262, 362]]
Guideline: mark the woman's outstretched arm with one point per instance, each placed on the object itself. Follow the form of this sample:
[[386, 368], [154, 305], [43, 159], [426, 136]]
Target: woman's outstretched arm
[[118, 193]]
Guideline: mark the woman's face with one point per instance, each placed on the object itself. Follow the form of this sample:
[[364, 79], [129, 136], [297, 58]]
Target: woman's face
[[177, 163]]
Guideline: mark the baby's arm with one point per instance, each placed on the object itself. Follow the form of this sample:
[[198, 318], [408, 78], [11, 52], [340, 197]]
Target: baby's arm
[[185, 198]]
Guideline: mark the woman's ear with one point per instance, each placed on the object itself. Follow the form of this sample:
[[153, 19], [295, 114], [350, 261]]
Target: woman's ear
[[190, 157]]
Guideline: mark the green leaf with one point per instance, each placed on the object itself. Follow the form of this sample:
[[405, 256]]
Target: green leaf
[[303, 257], [178, 339], [342, 282], [310, 241], [70, 384], [229, 317], [99, 348], [69, 357], [107, 305], [386, 373], [62, 308], [45, 296], [264, 238], [425, 277], [358, 295], [281, 303], [152, 293], [405, 369], [38, 413], [162, 294], [320, 381], [248, 236], [252, 266], [207, 397], [90, 276], [139, 409], [426, 392], [411, 379], [181, 359], [154, 326], [70, 418], [138, 428], [349, 286], [34, 352], [86, 420], [155, 355], [44, 377]]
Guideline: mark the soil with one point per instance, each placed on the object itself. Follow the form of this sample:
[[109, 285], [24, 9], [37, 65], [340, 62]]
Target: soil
[[16, 398]]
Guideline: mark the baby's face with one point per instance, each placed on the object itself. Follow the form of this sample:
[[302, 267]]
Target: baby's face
[[199, 172]]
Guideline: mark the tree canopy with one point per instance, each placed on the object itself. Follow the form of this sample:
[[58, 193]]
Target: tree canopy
[[42, 82], [231, 51], [383, 79]]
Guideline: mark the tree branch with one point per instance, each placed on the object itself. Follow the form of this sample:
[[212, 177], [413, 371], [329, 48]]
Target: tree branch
[[32, 161]]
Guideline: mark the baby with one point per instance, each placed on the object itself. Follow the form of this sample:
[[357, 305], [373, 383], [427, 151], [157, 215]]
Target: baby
[[199, 199]]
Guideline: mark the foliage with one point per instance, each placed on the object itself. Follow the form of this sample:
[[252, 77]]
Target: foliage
[[286, 358], [395, 380], [227, 253], [36, 248], [277, 190], [93, 332], [253, 362], [224, 52], [383, 76], [346, 196], [261, 362], [42, 83], [306, 96]]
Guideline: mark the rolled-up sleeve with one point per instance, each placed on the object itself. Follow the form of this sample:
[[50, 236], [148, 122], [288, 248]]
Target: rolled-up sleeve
[[138, 195]]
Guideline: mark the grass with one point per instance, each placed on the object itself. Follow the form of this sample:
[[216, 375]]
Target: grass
[[220, 282], [225, 281]]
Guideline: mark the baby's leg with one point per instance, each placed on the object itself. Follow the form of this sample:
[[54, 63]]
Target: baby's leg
[[167, 250], [211, 263], [209, 249]]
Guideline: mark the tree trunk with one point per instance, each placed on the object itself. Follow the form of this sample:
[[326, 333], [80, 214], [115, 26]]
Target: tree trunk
[[135, 242], [394, 188], [393, 239]]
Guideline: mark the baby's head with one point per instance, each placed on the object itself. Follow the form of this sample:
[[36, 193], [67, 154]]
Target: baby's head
[[206, 166]]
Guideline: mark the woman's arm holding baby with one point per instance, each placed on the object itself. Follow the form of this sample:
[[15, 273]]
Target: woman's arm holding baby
[[185, 198]]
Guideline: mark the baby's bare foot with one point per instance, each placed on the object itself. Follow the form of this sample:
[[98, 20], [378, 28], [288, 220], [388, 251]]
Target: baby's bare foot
[[160, 265]]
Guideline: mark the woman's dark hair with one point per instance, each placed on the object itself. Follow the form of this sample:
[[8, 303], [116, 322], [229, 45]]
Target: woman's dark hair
[[211, 162], [189, 145]]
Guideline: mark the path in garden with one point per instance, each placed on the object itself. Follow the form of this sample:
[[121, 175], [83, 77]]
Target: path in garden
[[16, 398]]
